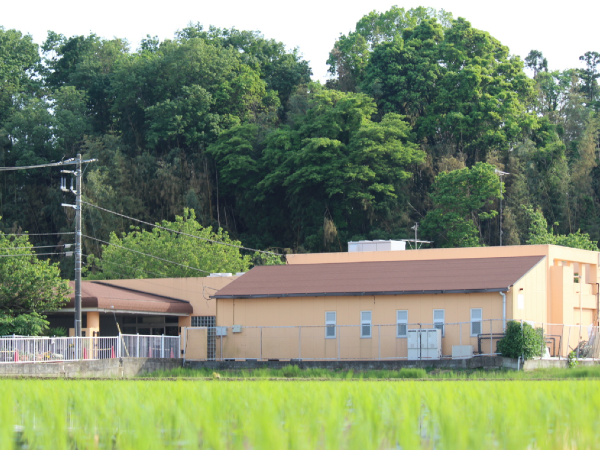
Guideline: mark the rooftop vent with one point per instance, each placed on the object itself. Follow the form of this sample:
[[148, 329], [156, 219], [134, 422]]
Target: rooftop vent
[[376, 246], [220, 275]]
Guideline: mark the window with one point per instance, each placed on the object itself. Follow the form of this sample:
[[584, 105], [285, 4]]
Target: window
[[476, 316], [203, 321], [402, 323], [330, 324], [365, 324], [438, 319]]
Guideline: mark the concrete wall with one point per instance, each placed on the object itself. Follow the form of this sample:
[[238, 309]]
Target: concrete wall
[[482, 362], [103, 368]]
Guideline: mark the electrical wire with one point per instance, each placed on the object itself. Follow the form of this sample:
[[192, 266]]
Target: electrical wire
[[161, 275], [146, 254], [39, 246], [39, 166], [37, 234], [33, 254], [181, 232]]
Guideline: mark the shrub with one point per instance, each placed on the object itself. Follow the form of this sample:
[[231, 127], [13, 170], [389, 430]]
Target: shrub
[[523, 341]]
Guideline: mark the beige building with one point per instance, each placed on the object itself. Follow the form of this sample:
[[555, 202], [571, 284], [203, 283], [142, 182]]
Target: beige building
[[145, 306], [360, 305]]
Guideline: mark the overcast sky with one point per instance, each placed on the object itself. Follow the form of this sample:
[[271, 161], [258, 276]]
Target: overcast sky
[[561, 30]]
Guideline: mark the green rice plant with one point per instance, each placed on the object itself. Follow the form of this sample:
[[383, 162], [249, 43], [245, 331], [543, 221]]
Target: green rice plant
[[365, 415]]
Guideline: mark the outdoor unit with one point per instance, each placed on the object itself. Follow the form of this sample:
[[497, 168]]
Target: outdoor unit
[[424, 344]]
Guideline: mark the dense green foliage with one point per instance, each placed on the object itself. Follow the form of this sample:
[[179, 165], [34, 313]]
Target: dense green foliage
[[29, 287], [194, 256], [522, 340], [420, 111], [336, 415]]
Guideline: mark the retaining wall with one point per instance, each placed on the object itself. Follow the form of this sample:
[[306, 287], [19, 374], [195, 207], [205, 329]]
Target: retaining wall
[[479, 362], [101, 368]]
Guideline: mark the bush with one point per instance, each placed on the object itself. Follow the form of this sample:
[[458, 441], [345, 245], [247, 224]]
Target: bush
[[523, 341]]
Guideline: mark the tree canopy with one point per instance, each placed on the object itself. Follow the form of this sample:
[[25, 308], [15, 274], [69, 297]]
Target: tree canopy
[[161, 253], [29, 287], [420, 110]]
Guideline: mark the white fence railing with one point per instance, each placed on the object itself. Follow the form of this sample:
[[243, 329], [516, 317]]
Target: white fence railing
[[369, 341], [47, 349]]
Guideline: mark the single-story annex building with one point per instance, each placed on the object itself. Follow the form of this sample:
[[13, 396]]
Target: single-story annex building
[[360, 305]]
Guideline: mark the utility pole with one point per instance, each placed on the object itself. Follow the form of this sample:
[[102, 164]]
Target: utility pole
[[500, 175], [78, 173], [416, 228]]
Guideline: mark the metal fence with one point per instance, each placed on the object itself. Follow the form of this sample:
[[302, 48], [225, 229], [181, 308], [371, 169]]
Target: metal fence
[[52, 349], [138, 346], [371, 342]]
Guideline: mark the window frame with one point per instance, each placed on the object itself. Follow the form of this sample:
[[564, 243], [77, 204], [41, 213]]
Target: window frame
[[364, 322], [401, 322], [480, 321], [329, 323], [436, 321]]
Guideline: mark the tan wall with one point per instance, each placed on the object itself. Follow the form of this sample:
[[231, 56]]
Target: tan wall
[[533, 288], [196, 290], [309, 312]]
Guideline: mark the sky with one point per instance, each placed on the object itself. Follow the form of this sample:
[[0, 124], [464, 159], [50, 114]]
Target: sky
[[562, 31]]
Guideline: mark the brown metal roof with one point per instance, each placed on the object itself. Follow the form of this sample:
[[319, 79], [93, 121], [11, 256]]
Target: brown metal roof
[[102, 296], [383, 277]]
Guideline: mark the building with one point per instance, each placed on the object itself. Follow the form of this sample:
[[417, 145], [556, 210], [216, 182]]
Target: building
[[360, 304], [144, 306]]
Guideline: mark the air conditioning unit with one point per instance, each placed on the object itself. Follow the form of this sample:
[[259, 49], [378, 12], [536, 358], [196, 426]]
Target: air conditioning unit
[[424, 344]]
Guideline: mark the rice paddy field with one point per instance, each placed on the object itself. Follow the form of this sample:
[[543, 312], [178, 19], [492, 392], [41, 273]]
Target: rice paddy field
[[141, 414]]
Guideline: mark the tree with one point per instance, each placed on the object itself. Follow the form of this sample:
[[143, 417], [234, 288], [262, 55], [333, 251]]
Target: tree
[[522, 340], [331, 165], [461, 201], [589, 75], [29, 288], [535, 61], [194, 257], [539, 234], [459, 87], [351, 53]]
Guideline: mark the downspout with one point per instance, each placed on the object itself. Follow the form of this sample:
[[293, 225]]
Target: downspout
[[598, 303], [503, 294]]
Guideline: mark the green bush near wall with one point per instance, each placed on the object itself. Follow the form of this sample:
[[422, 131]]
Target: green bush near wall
[[521, 340]]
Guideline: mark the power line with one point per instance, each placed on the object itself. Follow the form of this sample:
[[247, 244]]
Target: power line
[[39, 166], [145, 280], [181, 232], [39, 246], [162, 275], [36, 234], [146, 254], [33, 254]]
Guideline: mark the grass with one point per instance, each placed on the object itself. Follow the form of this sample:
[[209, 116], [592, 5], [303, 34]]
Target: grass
[[408, 373], [84, 414]]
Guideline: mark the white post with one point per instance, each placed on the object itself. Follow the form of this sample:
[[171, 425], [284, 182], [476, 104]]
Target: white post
[[138, 345], [460, 333], [119, 346], [260, 343], [162, 345], [299, 342], [339, 337], [491, 339], [379, 341], [568, 341]]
